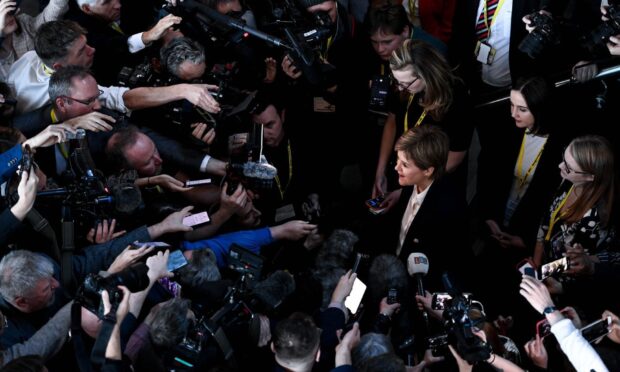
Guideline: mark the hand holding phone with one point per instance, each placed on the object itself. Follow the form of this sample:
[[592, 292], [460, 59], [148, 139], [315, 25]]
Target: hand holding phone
[[355, 297], [196, 219], [595, 331], [527, 267], [392, 296]]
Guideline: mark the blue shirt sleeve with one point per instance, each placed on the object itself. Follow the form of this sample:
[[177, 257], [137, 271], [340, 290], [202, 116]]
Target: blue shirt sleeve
[[251, 240]]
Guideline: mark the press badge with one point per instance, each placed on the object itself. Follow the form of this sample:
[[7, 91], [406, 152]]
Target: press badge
[[484, 53]]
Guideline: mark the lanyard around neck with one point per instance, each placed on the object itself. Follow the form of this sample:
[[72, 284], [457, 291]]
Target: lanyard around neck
[[521, 177], [420, 119], [556, 215], [290, 172]]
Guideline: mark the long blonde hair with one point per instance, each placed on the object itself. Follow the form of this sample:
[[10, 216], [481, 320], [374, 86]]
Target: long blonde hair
[[433, 69], [595, 156]]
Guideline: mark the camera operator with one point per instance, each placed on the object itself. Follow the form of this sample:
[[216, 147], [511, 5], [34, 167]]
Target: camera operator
[[115, 31], [63, 43]]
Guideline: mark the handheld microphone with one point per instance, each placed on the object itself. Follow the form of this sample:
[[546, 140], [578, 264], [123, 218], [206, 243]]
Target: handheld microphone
[[417, 266]]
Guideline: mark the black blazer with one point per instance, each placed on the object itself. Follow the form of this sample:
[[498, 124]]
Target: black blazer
[[439, 230], [496, 176]]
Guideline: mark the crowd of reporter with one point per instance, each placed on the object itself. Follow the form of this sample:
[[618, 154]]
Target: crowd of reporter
[[287, 185]]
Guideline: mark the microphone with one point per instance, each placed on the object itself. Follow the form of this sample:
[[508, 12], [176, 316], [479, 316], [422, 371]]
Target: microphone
[[417, 266], [272, 291]]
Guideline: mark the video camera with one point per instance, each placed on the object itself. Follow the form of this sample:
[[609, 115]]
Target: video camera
[[459, 325], [135, 278], [235, 326], [544, 35]]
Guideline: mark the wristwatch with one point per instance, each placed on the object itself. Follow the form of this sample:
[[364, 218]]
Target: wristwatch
[[549, 310]]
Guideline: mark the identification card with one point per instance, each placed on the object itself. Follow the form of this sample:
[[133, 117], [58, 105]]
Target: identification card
[[321, 105], [284, 213], [484, 53]]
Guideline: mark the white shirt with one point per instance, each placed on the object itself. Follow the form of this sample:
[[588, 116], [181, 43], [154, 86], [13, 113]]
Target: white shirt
[[30, 83], [413, 206], [579, 351], [497, 73]]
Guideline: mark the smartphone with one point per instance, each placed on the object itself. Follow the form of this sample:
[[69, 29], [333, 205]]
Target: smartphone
[[442, 299], [190, 183], [527, 267], [597, 330], [554, 267], [376, 202], [355, 298], [176, 260], [196, 219], [543, 328], [439, 345], [356, 264], [173, 287], [392, 296], [137, 244], [79, 134]]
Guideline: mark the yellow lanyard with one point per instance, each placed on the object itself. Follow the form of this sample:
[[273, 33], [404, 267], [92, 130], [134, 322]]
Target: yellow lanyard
[[382, 69], [48, 71], [330, 41], [523, 177], [290, 172], [417, 123], [116, 28], [61, 146], [556, 215], [486, 16]]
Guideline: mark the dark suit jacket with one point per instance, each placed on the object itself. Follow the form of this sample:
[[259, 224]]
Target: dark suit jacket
[[439, 230], [496, 176], [112, 52]]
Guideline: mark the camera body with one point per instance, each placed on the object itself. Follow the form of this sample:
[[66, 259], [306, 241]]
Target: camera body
[[89, 293], [600, 36], [544, 34], [459, 326]]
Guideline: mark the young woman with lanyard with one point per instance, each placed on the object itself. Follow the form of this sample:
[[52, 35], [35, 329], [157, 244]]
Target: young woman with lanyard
[[517, 175], [580, 215], [580, 225], [432, 95]]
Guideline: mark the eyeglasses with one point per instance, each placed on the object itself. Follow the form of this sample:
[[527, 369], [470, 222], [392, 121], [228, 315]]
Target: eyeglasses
[[568, 169], [403, 86], [86, 102]]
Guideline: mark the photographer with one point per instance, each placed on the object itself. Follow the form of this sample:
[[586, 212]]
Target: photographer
[[63, 43], [115, 31]]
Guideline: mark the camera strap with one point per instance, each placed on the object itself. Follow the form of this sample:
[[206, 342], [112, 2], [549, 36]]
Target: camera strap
[[68, 246], [41, 225], [97, 356]]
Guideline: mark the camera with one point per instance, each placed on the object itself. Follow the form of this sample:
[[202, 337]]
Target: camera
[[78, 135], [379, 89], [544, 34], [598, 39], [89, 294], [138, 76], [461, 316]]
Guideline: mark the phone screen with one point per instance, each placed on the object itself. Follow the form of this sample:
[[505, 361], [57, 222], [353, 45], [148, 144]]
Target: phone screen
[[554, 267], [526, 267], [176, 260], [190, 183], [355, 298], [440, 300], [196, 219], [594, 331]]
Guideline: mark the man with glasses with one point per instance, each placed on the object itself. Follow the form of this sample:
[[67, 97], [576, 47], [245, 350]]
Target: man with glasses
[[63, 43]]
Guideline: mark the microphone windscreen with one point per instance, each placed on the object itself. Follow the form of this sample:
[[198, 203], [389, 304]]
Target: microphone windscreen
[[417, 263], [273, 290]]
